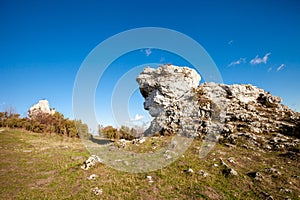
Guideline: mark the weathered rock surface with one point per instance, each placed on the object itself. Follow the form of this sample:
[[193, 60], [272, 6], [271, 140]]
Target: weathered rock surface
[[168, 92], [163, 86], [42, 107], [180, 105], [90, 162]]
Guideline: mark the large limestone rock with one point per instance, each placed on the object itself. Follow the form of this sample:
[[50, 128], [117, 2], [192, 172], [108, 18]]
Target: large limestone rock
[[163, 86], [42, 107], [180, 105], [166, 91]]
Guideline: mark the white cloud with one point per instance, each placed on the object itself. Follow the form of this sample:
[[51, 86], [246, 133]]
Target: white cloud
[[269, 69], [237, 62], [280, 67], [257, 60], [138, 117], [148, 52], [230, 42]]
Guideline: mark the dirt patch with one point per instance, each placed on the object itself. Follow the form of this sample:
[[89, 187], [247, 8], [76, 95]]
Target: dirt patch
[[52, 172], [149, 193], [78, 158], [211, 193], [41, 182]]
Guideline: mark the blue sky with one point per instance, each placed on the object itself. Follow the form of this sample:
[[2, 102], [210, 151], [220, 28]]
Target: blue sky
[[43, 44]]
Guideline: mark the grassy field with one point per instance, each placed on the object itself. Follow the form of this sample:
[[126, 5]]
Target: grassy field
[[37, 166]]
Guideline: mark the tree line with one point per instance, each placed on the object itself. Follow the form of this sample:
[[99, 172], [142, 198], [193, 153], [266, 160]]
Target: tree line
[[122, 133], [44, 123]]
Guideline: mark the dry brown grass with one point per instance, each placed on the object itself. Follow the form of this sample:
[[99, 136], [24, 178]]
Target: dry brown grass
[[35, 166]]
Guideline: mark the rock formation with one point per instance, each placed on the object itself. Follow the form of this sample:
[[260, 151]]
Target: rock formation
[[163, 86], [180, 105], [168, 92], [42, 107]]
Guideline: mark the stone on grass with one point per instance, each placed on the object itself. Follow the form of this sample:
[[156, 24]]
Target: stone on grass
[[203, 173], [255, 175], [90, 162], [92, 177], [189, 171], [97, 191], [229, 171], [149, 178]]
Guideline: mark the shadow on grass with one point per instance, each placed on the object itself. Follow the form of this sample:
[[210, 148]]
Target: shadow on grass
[[101, 141]]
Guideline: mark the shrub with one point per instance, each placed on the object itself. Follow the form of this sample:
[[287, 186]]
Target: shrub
[[45, 123]]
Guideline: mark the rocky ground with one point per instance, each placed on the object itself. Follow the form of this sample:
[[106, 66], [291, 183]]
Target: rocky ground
[[35, 166]]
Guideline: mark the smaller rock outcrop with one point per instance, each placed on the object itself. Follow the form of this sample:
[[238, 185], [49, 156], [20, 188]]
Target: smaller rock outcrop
[[42, 107], [90, 162]]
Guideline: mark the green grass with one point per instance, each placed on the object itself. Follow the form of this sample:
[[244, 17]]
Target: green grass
[[36, 166]]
